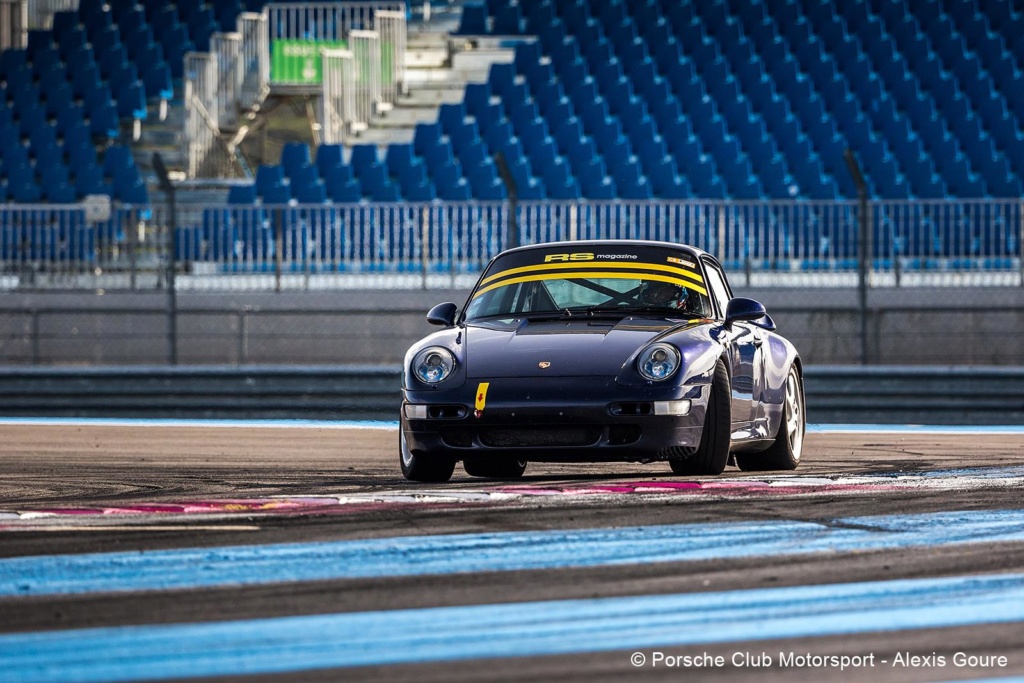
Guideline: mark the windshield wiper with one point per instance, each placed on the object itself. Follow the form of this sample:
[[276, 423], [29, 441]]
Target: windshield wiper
[[560, 314], [658, 310], [590, 312]]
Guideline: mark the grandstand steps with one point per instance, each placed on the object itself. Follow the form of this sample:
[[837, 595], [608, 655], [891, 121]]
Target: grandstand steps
[[165, 136], [437, 72], [432, 19], [472, 62], [426, 51], [187, 196], [435, 97]]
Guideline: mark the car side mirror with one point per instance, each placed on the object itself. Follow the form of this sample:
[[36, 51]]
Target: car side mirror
[[443, 314], [744, 309], [766, 323]]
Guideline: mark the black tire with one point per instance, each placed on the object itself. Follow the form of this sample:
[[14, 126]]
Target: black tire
[[713, 452], [495, 467], [786, 450], [435, 469]]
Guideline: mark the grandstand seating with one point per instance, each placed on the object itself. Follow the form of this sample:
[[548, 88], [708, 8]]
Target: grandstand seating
[[630, 99], [710, 99], [65, 96]]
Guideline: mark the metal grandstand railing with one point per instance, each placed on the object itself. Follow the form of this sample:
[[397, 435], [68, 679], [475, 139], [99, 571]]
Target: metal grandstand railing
[[300, 31], [339, 117], [324, 21], [770, 243], [255, 59], [393, 31], [202, 115], [14, 24], [39, 13], [219, 85], [363, 81], [366, 83]]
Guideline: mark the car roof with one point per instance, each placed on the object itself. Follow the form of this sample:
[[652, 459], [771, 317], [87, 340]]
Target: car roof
[[576, 244]]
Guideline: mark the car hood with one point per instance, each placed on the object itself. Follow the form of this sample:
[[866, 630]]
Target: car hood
[[570, 348]]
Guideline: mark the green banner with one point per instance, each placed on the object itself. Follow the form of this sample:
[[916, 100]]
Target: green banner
[[298, 62]]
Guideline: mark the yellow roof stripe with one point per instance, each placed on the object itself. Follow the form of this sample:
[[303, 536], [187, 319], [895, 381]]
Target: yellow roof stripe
[[596, 264], [612, 276]]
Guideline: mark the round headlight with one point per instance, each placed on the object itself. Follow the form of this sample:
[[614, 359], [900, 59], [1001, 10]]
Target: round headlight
[[658, 362], [433, 364]]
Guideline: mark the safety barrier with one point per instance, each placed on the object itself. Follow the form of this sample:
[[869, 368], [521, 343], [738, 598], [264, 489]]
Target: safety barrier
[[373, 245], [48, 246], [911, 243], [201, 392], [835, 394]]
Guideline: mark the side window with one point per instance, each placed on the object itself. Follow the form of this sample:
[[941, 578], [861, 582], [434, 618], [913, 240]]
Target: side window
[[717, 288]]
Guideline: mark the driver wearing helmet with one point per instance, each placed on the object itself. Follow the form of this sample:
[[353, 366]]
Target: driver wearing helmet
[[663, 294]]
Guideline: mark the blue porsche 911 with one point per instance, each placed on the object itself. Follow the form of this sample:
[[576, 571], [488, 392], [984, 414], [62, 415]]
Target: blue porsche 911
[[595, 352]]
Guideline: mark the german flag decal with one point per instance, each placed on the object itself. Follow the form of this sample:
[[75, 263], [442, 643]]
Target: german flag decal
[[481, 398]]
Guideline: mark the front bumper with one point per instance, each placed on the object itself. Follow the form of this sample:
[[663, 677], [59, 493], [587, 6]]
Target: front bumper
[[578, 419]]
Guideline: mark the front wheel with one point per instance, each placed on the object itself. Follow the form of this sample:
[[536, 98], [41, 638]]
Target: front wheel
[[785, 452], [420, 468], [716, 437], [495, 467]]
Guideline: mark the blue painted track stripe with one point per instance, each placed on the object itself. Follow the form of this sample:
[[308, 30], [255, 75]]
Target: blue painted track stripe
[[386, 424], [512, 630], [503, 551], [913, 429]]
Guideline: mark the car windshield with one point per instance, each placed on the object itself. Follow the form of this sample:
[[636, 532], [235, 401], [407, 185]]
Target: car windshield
[[596, 280]]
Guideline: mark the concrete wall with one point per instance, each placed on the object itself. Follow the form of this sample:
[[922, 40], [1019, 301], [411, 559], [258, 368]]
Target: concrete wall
[[905, 326]]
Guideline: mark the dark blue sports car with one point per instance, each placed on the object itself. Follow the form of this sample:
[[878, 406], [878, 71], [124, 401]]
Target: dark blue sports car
[[601, 351]]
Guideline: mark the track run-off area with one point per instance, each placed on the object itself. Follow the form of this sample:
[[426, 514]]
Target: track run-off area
[[295, 551]]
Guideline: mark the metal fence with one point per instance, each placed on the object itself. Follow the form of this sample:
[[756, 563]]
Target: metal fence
[[911, 243], [55, 247]]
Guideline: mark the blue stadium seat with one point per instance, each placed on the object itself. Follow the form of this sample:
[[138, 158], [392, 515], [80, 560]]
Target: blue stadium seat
[[328, 155], [364, 157], [450, 184], [268, 177], [293, 156], [342, 188], [242, 194], [474, 20], [508, 20], [89, 180]]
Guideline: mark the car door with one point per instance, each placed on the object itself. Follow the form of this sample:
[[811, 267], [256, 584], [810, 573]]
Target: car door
[[743, 341]]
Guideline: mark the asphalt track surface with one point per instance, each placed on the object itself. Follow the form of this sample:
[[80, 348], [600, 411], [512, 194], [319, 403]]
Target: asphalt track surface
[[142, 551]]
